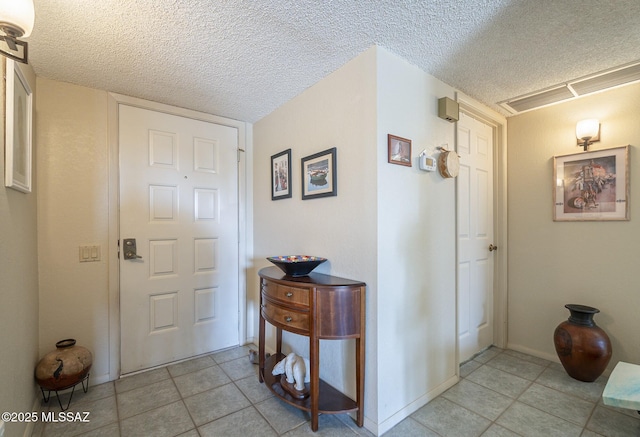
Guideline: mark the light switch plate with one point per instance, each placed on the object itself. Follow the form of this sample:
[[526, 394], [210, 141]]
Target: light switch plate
[[89, 253]]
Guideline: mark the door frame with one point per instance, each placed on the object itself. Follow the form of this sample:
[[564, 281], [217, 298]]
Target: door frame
[[498, 123], [113, 100]]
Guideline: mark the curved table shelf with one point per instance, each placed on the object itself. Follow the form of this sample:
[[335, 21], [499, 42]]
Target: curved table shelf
[[320, 307], [330, 400]]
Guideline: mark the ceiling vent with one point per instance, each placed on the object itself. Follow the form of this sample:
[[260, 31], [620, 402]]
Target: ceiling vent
[[541, 98], [580, 87], [607, 80]]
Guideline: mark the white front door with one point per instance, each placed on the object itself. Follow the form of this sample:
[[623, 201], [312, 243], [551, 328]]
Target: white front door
[[475, 236], [179, 201]]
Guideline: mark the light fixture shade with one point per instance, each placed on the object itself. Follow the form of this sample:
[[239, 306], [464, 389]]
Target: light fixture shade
[[587, 129], [19, 14]]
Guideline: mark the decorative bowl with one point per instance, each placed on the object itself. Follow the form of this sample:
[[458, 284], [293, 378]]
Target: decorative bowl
[[296, 265]]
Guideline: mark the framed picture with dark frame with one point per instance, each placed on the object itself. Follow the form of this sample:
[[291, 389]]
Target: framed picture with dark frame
[[319, 175], [591, 185], [18, 126], [399, 150], [281, 175]]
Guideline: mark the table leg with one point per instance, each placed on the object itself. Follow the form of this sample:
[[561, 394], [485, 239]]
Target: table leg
[[314, 362], [279, 341], [360, 381], [261, 350]]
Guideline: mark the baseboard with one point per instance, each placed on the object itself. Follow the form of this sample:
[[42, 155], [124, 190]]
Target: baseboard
[[100, 379], [371, 426], [550, 357], [414, 406], [533, 352], [28, 431]]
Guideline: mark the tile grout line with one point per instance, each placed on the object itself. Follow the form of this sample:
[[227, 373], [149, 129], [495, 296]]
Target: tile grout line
[[517, 399], [547, 374], [513, 400], [183, 403], [586, 424], [535, 381], [232, 381], [548, 366], [252, 404], [594, 404]]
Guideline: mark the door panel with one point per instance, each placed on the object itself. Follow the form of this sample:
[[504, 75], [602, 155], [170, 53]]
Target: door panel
[[475, 234], [179, 200]]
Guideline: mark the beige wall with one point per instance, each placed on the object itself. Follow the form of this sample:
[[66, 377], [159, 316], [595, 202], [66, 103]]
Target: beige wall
[[73, 211], [337, 112], [555, 263], [18, 286], [390, 226], [416, 245]]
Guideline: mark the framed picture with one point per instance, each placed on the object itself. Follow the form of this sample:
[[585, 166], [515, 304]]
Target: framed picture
[[19, 110], [399, 150], [319, 175], [591, 185], [281, 175]]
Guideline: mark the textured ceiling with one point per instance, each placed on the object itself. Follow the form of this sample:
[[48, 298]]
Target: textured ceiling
[[243, 59]]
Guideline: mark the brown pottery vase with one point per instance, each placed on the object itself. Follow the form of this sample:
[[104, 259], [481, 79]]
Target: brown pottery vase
[[64, 367], [583, 348]]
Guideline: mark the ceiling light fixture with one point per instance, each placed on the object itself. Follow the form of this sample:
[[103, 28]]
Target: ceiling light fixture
[[587, 132], [16, 21]]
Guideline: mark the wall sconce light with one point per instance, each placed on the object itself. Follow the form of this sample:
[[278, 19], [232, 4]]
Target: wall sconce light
[[16, 21], [587, 132]]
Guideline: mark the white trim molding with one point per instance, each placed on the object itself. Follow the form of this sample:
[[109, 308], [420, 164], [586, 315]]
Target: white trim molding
[[500, 292]]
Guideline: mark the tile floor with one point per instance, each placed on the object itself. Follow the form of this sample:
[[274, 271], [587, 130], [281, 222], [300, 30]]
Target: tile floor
[[501, 393]]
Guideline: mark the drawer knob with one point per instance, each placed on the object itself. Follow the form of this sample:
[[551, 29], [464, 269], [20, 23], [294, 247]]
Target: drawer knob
[[288, 319], [289, 294]]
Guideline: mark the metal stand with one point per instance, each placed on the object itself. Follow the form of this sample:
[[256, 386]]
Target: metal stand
[[73, 388]]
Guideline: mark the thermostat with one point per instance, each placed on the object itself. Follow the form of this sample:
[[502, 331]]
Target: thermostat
[[427, 163]]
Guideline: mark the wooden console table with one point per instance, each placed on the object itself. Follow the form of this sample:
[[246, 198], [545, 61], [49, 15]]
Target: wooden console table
[[319, 307]]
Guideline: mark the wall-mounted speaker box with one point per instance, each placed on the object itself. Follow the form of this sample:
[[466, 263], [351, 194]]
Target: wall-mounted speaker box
[[448, 109]]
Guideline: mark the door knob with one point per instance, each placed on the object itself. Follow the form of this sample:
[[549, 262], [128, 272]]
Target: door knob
[[492, 248], [130, 250]]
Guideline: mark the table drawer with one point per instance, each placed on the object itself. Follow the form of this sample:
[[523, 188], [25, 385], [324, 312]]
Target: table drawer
[[294, 321], [287, 295]]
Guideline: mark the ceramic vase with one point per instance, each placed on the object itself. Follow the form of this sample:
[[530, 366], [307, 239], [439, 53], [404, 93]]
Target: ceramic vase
[[584, 348], [64, 367]]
